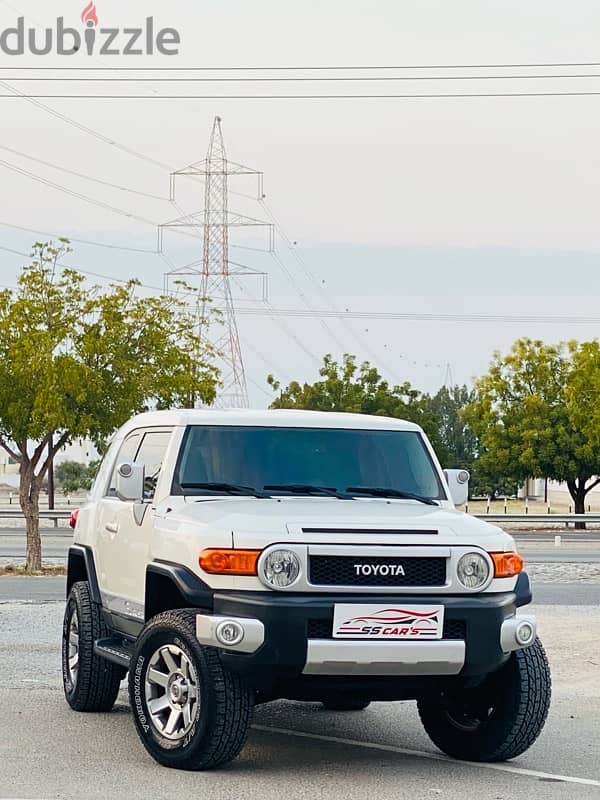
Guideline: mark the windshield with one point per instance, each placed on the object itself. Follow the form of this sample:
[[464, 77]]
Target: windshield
[[338, 459]]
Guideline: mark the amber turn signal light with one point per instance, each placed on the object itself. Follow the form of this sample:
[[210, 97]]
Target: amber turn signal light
[[507, 565], [225, 561]]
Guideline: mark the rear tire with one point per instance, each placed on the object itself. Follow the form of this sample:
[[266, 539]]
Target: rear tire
[[344, 703], [500, 719], [90, 683], [189, 711]]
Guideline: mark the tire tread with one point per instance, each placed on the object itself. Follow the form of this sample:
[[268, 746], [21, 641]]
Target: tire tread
[[518, 726], [98, 680], [232, 700]]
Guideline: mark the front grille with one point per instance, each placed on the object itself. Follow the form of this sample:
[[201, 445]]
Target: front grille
[[322, 629], [454, 629], [342, 571], [319, 629]]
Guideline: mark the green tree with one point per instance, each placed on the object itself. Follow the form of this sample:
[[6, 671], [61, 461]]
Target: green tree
[[583, 390], [77, 361], [346, 386], [72, 476], [530, 420], [458, 441], [460, 447]]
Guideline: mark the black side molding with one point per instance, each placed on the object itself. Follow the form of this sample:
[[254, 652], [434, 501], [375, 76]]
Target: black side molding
[[523, 592], [81, 567]]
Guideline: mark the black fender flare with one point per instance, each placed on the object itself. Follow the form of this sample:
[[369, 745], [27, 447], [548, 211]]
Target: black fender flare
[[191, 590], [523, 592], [81, 567]]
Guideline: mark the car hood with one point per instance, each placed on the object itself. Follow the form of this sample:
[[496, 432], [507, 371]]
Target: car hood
[[254, 522]]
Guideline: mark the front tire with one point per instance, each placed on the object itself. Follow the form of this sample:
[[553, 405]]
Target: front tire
[[498, 720], [90, 683], [189, 711]]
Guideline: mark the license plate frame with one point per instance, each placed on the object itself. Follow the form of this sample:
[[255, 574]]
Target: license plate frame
[[393, 622]]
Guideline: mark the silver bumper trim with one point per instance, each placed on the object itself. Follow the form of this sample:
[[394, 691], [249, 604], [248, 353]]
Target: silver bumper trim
[[335, 657], [254, 633]]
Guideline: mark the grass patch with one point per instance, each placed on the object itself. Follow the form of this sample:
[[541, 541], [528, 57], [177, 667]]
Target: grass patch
[[20, 571]]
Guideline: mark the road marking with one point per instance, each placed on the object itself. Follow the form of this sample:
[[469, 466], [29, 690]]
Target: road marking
[[530, 773]]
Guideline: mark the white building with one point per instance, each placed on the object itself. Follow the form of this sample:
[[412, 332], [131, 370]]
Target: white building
[[9, 471], [80, 450]]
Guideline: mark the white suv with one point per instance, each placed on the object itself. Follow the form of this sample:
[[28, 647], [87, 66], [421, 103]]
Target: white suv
[[229, 558]]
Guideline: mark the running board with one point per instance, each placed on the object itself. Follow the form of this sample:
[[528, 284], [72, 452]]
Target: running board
[[115, 650]]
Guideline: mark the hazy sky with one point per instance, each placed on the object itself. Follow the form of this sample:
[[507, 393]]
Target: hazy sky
[[447, 206]]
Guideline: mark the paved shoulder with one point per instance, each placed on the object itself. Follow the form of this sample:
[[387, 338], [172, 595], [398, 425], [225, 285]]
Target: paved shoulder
[[34, 590]]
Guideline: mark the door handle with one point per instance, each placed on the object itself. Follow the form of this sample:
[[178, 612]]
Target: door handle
[[112, 527]]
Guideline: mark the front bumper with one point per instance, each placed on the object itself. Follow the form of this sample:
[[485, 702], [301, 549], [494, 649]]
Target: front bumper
[[289, 636], [333, 657]]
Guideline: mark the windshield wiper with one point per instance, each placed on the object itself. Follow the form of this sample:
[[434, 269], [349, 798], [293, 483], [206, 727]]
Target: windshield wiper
[[301, 488], [376, 491], [226, 488]]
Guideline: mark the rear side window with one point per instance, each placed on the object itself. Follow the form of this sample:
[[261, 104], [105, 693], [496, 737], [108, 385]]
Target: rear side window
[[152, 455], [127, 452]]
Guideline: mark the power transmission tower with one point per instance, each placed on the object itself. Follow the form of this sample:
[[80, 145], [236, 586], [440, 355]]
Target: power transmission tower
[[448, 380], [215, 271]]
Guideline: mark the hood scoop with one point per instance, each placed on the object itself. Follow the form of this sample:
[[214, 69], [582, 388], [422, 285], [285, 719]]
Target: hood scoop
[[373, 531]]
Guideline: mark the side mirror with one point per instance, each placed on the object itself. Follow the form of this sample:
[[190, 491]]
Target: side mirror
[[130, 482], [458, 483]]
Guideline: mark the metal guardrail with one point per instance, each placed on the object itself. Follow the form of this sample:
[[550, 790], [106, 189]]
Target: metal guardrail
[[53, 516], [64, 513], [561, 518], [58, 513]]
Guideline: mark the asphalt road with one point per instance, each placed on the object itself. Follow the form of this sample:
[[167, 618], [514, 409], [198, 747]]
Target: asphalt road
[[299, 750], [294, 750]]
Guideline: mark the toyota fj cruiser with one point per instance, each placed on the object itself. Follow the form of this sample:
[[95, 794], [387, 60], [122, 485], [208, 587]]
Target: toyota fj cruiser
[[229, 558]]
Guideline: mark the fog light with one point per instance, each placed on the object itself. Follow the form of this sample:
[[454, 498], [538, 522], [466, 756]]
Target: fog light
[[473, 571], [229, 633], [525, 633]]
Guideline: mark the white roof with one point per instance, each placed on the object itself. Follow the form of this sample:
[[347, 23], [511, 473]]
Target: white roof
[[270, 418]]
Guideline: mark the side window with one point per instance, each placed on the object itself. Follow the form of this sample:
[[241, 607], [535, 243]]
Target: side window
[[127, 452], [151, 454]]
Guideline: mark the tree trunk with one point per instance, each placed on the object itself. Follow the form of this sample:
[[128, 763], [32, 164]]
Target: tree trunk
[[578, 492], [51, 474], [29, 498]]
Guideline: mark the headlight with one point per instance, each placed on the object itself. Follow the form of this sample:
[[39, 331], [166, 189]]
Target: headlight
[[281, 568], [473, 570]]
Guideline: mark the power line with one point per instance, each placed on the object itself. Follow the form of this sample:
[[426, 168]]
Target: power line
[[247, 344], [78, 241], [433, 96], [82, 175], [413, 317], [16, 93], [279, 313], [105, 139], [14, 252], [78, 195], [313, 279], [306, 68], [304, 299], [306, 78]]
